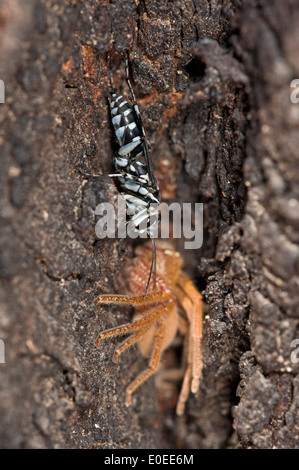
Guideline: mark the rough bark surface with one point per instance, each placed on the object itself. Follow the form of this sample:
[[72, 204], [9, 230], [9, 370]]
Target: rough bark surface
[[213, 82]]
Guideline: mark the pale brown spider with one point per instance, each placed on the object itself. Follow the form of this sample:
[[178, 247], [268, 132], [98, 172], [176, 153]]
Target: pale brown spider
[[157, 320]]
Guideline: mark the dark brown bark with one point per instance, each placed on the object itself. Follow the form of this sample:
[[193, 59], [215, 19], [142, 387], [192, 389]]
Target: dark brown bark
[[213, 81]]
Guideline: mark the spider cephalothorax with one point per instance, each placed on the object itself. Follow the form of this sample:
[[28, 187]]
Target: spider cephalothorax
[[156, 320]]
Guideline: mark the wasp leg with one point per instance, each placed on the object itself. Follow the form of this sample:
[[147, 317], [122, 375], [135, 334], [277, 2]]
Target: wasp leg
[[88, 175]]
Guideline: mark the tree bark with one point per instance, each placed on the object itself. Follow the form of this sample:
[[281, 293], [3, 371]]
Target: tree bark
[[213, 82]]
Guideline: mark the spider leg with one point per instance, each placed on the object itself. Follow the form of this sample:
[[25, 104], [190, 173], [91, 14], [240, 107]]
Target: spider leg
[[188, 347], [129, 342], [185, 389], [157, 296], [147, 319], [186, 385], [153, 364], [182, 373], [183, 325], [191, 301]]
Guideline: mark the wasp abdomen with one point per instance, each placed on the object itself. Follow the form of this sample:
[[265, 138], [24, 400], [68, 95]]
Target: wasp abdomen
[[125, 127]]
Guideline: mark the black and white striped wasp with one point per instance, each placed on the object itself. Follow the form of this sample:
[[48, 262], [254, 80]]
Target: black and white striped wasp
[[135, 174]]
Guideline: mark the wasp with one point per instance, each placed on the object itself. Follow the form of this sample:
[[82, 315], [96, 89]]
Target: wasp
[[132, 161]]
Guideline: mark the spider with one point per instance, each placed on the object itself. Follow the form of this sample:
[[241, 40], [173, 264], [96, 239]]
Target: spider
[[157, 319]]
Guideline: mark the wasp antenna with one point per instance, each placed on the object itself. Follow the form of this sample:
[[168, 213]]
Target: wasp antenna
[[155, 262], [153, 266], [126, 59], [111, 79], [110, 72]]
